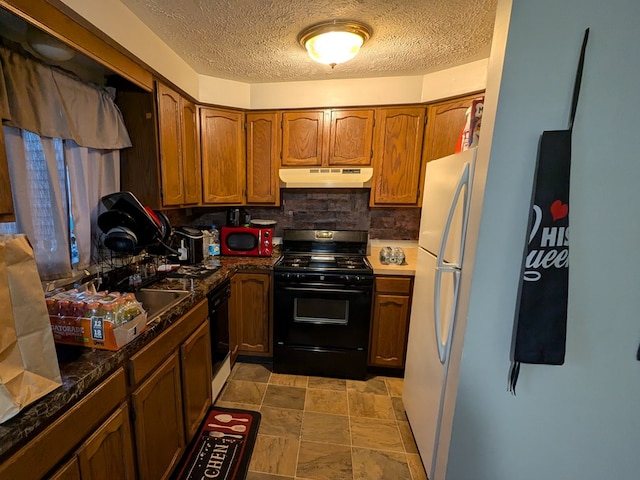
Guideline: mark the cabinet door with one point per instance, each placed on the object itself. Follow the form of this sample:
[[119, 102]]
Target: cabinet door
[[397, 163], [195, 356], [108, 453], [140, 164], [250, 312], [263, 152], [69, 471], [169, 111], [445, 123], [351, 137], [389, 330], [6, 200], [302, 138], [191, 169], [158, 421], [223, 159]]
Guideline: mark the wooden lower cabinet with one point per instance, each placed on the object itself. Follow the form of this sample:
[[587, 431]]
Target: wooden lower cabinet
[[104, 436], [250, 314], [158, 421], [108, 453], [390, 321], [69, 471], [60, 440], [171, 381], [195, 364]]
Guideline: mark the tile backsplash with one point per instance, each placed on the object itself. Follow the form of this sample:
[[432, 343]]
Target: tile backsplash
[[339, 209]]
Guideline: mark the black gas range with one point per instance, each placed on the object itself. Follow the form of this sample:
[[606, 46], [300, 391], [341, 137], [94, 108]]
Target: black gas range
[[323, 286]]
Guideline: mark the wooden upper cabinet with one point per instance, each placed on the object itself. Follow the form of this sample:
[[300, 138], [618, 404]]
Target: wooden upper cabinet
[[445, 123], [223, 157], [351, 137], [140, 164], [302, 138], [327, 137], [263, 152], [179, 142], [170, 145], [6, 199], [191, 169], [397, 156]]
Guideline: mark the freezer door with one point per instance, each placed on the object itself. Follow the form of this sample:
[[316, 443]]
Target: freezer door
[[430, 329], [445, 203]]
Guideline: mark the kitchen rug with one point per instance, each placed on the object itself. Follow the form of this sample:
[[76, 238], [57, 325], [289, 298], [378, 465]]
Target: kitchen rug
[[222, 447]]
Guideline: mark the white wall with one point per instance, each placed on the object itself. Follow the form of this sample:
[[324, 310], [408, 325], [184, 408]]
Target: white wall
[[581, 420]]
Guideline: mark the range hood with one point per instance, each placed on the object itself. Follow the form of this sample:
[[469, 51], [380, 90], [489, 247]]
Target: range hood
[[332, 177]]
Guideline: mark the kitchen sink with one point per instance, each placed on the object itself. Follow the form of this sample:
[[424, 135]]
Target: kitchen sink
[[156, 301]]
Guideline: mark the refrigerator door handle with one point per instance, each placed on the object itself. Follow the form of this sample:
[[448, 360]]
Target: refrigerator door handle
[[443, 346], [463, 181]]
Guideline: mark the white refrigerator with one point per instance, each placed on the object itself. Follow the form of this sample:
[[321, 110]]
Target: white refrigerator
[[443, 223]]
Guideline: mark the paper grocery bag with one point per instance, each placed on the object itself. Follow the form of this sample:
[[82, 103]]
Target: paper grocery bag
[[28, 362]]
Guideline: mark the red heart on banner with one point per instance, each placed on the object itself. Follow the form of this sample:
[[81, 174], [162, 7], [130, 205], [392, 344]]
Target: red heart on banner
[[559, 210]]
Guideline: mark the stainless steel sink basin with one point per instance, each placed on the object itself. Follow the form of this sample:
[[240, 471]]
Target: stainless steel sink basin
[[156, 301]]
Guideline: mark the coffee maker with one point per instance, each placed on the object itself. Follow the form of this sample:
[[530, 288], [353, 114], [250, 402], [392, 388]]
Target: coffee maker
[[188, 243]]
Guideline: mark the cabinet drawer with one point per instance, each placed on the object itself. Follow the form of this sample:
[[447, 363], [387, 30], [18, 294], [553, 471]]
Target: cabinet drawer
[[393, 285], [148, 358], [37, 457]]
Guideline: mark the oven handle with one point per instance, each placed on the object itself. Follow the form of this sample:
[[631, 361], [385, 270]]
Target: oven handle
[[324, 290]]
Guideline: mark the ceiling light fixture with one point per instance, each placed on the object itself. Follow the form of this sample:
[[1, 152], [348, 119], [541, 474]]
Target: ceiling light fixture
[[48, 47], [334, 42]]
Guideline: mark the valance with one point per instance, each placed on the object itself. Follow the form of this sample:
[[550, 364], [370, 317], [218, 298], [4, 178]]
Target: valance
[[53, 103]]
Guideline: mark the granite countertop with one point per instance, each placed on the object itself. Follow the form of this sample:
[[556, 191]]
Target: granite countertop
[[408, 268], [83, 368]]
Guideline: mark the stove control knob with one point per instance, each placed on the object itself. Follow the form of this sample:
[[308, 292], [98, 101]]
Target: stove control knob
[[298, 276], [347, 279]]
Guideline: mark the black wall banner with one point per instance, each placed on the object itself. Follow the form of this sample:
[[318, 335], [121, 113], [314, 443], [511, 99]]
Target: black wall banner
[[541, 314]]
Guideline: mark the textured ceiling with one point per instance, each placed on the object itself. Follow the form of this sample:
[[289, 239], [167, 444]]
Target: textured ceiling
[[256, 40]]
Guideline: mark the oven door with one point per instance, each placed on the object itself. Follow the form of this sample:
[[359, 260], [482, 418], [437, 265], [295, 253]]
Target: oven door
[[316, 315]]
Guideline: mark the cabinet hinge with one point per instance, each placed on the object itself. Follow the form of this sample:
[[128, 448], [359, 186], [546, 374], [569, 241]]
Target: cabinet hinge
[[371, 154], [425, 119], [132, 413]]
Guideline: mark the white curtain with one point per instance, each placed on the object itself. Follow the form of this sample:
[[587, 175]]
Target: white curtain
[[38, 180], [92, 174]]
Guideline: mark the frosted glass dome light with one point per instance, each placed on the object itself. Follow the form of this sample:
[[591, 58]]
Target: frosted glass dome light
[[334, 42]]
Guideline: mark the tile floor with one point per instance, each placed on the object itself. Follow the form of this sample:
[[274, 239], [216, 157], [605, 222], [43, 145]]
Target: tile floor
[[324, 429]]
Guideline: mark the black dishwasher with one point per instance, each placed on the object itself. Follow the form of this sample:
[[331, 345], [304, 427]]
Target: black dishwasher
[[219, 323]]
